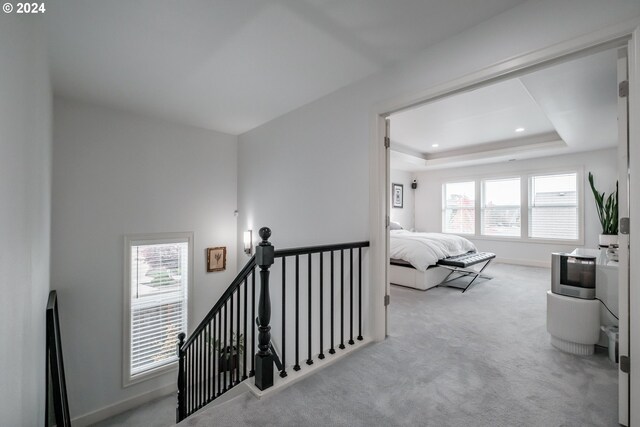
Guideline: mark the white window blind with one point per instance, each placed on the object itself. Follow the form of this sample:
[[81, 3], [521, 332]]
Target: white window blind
[[459, 213], [501, 207], [158, 284], [553, 207]]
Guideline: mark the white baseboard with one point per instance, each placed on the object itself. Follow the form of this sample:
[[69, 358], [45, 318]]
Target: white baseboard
[[525, 262], [122, 406]]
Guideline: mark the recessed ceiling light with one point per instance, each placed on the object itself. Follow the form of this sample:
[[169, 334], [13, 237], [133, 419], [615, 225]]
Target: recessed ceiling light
[[519, 129], [435, 145]]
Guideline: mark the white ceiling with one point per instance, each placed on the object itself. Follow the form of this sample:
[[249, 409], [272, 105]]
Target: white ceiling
[[233, 65], [564, 108]]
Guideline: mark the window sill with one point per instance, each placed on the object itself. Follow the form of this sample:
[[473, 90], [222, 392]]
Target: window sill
[[152, 373], [578, 242]]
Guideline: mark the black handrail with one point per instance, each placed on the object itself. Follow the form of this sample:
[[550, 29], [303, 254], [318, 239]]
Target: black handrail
[[211, 356], [246, 270], [321, 248]]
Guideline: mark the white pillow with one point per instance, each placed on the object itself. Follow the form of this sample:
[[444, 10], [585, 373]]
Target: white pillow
[[394, 226]]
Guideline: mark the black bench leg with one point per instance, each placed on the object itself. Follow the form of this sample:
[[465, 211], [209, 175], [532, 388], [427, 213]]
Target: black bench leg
[[477, 274]]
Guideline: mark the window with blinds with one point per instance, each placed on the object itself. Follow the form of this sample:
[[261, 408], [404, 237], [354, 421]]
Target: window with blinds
[[158, 289], [553, 206], [501, 207], [459, 210]]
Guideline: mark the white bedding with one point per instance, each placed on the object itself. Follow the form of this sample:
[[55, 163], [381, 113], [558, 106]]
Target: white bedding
[[424, 249]]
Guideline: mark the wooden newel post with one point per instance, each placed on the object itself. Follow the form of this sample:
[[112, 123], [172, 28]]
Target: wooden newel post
[[264, 358], [181, 409]]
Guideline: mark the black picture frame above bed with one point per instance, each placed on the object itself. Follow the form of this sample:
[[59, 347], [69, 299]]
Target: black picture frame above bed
[[397, 195]]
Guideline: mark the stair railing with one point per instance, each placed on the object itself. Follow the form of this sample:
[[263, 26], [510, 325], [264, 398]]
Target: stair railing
[[214, 357]]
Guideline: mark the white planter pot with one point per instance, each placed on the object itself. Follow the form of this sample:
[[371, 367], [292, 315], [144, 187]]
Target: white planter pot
[[608, 239]]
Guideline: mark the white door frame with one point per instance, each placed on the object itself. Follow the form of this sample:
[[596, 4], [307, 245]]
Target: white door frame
[[614, 36]]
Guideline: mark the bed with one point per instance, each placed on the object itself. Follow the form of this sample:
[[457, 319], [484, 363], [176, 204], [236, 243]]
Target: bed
[[414, 257]]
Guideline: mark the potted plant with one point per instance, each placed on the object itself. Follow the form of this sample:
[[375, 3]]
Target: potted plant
[[607, 213], [229, 355]]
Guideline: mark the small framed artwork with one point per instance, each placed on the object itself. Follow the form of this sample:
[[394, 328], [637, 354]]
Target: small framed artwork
[[216, 259], [397, 195]]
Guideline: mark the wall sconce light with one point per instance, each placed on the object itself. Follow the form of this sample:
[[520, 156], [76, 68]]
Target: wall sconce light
[[247, 242]]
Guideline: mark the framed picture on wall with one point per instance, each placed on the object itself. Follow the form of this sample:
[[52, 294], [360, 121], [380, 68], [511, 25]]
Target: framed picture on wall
[[397, 195], [216, 259]]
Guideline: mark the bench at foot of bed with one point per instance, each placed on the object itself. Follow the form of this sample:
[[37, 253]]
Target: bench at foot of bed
[[461, 265]]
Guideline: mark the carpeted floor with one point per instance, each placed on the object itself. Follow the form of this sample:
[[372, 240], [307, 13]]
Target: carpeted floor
[[481, 358]]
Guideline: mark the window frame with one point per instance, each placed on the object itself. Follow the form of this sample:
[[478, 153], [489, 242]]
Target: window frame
[[443, 202], [150, 238], [525, 190], [480, 231], [580, 204]]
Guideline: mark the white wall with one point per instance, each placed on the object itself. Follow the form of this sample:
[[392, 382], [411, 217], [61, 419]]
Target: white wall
[[602, 163], [25, 208], [114, 174], [306, 174], [406, 215]]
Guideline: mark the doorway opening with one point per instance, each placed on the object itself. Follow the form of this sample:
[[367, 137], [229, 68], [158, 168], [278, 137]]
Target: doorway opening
[[502, 166]]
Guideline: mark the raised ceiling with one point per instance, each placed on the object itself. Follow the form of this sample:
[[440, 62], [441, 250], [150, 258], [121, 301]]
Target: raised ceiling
[[234, 65], [568, 107]]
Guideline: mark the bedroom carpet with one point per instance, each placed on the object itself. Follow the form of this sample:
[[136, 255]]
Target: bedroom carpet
[[481, 358]]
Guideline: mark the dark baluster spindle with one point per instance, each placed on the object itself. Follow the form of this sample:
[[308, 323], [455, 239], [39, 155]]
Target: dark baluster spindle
[[202, 372], [321, 355], [283, 373], [218, 376], [246, 312], [229, 349], [296, 367], [341, 346], [196, 375], [264, 358], [207, 363], [180, 410], [223, 354], [351, 342], [360, 294], [191, 377], [309, 360], [236, 350], [253, 322], [332, 350], [212, 332]]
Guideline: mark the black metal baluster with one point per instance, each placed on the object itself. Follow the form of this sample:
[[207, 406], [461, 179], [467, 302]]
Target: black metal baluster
[[201, 376], [229, 349], [192, 377], [351, 342], [321, 355], [360, 294], [217, 373], [212, 359], [309, 360], [207, 361], [244, 350], [253, 322], [238, 337], [196, 376], [223, 351], [341, 346], [332, 350], [296, 367], [196, 394], [283, 373]]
